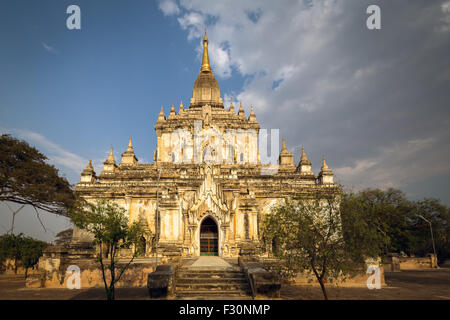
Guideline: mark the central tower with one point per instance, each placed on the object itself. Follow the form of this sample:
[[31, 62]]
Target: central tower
[[206, 89]]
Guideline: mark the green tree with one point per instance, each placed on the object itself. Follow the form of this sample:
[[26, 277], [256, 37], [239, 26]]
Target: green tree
[[108, 223], [309, 236], [31, 250], [398, 221], [10, 245], [24, 251], [366, 221], [421, 241], [26, 178]]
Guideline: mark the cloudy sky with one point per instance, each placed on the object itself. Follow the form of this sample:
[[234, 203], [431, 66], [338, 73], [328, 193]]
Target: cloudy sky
[[374, 102]]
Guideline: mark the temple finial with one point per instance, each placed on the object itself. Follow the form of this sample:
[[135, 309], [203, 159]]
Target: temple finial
[[324, 164], [304, 159], [231, 105], [111, 154], [241, 110], [172, 110], [326, 176], [205, 60], [252, 116], [181, 107], [88, 174], [161, 116], [128, 157], [284, 145], [110, 164]]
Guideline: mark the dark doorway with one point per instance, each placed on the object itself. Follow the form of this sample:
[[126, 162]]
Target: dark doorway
[[209, 238]]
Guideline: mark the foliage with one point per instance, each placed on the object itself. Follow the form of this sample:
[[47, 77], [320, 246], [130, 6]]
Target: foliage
[[24, 251], [64, 237], [310, 237], [398, 222], [26, 178], [108, 223], [420, 242]]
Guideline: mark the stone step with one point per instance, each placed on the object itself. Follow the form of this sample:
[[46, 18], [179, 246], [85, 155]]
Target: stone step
[[212, 280], [230, 274], [211, 286], [207, 282], [208, 270], [211, 277], [212, 294]]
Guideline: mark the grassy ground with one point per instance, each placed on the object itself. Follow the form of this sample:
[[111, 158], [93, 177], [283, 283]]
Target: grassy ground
[[428, 284]]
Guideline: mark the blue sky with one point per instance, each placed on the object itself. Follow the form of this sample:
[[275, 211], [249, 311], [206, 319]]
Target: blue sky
[[375, 103], [87, 89]]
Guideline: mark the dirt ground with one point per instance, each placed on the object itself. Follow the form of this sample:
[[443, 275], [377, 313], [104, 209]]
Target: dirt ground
[[404, 285]]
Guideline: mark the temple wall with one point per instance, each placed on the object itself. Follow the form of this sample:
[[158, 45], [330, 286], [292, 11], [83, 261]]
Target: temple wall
[[232, 146]]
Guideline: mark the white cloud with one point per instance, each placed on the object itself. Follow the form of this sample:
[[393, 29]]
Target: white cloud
[[369, 100], [169, 7], [56, 154], [49, 48], [397, 165], [445, 7], [194, 22]]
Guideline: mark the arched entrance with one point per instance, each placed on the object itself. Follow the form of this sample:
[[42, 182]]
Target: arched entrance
[[209, 238]]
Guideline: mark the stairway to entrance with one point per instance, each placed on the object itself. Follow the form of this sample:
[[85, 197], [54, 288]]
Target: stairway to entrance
[[211, 278]]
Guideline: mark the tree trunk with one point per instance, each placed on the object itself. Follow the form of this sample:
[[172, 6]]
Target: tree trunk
[[320, 279], [324, 291], [112, 272]]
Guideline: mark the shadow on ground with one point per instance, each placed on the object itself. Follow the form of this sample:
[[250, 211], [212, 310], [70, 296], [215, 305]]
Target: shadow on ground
[[404, 285]]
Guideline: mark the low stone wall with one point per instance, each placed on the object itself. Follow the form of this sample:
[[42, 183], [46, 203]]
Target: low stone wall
[[395, 263], [91, 276], [8, 267], [358, 280], [53, 266], [414, 263]]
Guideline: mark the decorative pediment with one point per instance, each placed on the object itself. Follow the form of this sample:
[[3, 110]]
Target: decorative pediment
[[210, 199]]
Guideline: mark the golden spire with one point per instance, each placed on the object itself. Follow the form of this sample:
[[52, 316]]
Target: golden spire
[[181, 107], [324, 164], [172, 110], [325, 174], [283, 148], [110, 163], [130, 146], [161, 116], [128, 157], [205, 61], [252, 116], [286, 158], [111, 156], [241, 111], [89, 170], [304, 159], [231, 105]]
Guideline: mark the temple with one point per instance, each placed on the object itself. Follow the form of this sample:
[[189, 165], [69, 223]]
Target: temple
[[207, 190]]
